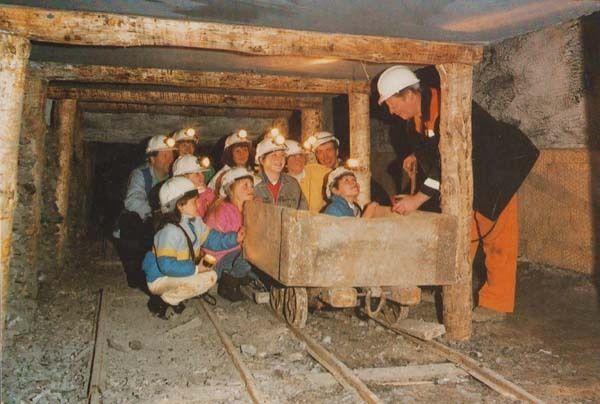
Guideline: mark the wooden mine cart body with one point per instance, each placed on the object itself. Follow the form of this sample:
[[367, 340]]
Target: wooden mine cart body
[[304, 249]]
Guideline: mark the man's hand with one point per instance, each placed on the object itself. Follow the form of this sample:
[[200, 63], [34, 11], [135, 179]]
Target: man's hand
[[410, 163], [241, 235], [409, 203], [370, 210]]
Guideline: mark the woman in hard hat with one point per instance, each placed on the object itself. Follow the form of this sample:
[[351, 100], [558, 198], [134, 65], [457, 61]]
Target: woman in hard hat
[[193, 168], [501, 160], [171, 267], [134, 228], [237, 187], [238, 152], [342, 190], [275, 186], [311, 177]]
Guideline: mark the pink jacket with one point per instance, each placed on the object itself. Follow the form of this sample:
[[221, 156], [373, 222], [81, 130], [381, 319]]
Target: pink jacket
[[205, 199], [226, 217]]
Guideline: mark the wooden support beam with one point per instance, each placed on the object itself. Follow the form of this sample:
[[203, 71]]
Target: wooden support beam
[[14, 53], [311, 121], [104, 29], [181, 110], [183, 98], [360, 142], [457, 189], [197, 79], [65, 118], [283, 125]]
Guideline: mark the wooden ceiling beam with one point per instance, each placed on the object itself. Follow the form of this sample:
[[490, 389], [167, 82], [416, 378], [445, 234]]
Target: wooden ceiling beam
[[183, 98], [103, 29], [181, 110], [197, 79]]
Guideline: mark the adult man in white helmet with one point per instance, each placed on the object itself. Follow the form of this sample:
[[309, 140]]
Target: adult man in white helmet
[[502, 158], [134, 232], [326, 148]]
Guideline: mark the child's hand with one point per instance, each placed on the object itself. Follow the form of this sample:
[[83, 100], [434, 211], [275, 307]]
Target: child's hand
[[370, 210], [240, 235]]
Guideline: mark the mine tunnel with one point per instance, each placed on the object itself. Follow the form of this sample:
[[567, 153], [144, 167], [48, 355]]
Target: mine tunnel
[[379, 309]]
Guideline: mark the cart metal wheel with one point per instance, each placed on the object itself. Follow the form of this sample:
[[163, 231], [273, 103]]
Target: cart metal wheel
[[394, 312], [295, 307], [276, 296]]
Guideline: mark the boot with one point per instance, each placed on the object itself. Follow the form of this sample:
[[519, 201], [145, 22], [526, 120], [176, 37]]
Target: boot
[[158, 307], [229, 288]]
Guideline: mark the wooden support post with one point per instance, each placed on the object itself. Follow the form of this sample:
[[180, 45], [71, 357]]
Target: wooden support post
[[65, 117], [360, 142], [283, 125], [311, 121], [457, 189], [14, 53]]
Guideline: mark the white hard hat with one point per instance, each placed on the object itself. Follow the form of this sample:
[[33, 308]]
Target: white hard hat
[[190, 164], [319, 139], [240, 136], [293, 148], [185, 134], [268, 145], [173, 190], [338, 172], [160, 143], [231, 176], [394, 79]]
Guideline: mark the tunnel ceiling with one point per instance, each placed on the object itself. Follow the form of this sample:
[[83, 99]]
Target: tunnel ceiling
[[481, 21]]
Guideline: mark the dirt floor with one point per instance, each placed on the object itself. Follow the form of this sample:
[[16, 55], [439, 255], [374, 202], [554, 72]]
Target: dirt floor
[[549, 347]]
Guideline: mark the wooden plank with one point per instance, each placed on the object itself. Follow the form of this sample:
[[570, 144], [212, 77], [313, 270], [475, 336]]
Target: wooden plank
[[181, 110], [360, 143], [197, 79], [14, 53], [255, 394], [65, 116], [263, 232], [400, 375], [421, 329], [182, 98], [104, 29], [323, 251], [457, 189], [338, 369]]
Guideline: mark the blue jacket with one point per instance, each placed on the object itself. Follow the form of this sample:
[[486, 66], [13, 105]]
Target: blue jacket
[[171, 256], [340, 207]]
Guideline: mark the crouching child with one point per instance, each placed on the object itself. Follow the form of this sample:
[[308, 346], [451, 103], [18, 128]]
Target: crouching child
[[342, 190], [172, 269]]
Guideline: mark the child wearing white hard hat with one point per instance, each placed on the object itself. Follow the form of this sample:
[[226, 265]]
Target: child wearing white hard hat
[[237, 152], [342, 190], [237, 187], [134, 227], [186, 140], [311, 177], [193, 168], [275, 186], [172, 269]]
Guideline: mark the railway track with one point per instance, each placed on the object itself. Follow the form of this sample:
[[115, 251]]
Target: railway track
[[346, 377]]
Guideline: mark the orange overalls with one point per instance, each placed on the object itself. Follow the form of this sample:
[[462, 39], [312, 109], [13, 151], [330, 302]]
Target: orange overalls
[[500, 239]]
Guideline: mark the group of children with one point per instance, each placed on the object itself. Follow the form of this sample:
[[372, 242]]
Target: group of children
[[198, 229]]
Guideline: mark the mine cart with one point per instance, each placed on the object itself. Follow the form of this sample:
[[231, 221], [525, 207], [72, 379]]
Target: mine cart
[[341, 262]]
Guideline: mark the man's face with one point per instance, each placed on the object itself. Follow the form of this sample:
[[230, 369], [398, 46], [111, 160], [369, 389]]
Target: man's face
[[296, 163], [185, 147], [162, 161], [240, 154], [327, 154], [405, 106], [347, 187], [274, 162]]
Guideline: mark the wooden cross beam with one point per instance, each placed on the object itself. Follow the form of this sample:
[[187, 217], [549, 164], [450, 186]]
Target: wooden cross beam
[[181, 110], [197, 79], [183, 98], [103, 29]]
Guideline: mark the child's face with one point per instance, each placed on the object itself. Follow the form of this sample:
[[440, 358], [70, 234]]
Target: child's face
[[189, 208], [347, 188], [185, 147], [196, 178], [240, 154], [274, 161], [242, 190], [296, 163]]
